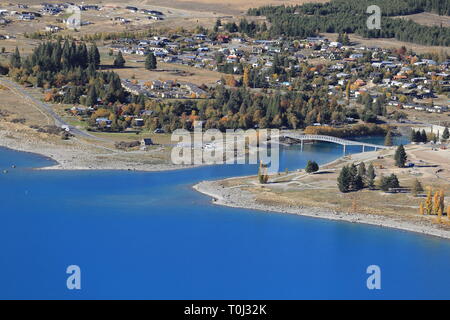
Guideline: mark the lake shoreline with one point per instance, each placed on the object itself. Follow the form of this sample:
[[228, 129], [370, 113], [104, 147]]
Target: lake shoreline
[[79, 154], [76, 155], [238, 198]]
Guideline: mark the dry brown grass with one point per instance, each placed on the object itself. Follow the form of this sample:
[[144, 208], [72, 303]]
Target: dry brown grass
[[428, 19], [320, 190], [166, 71], [390, 44], [18, 108], [228, 6]]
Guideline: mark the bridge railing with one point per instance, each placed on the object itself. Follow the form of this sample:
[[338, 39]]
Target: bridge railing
[[332, 139]]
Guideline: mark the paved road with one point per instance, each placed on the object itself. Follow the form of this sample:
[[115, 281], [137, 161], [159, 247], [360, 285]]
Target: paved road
[[58, 121]]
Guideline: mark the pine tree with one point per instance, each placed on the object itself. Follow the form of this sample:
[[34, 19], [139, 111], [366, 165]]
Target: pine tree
[[119, 61], [388, 139], [345, 180], [91, 99], [217, 25], [390, 182], [362, 169], [417, 187], [345, 40], [424, 137], [15, 60], [412, 136], [358, 183], [446, 134], [150, 62], [418, 136], [311, 167], [94, 56], [400, 156], [371, 177]]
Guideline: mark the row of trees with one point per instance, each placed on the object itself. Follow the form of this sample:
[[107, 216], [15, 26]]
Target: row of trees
[[350, 17], [54, 57], [241, 108], [389, 7], [434, 204], [354, 178], [72, 67], [419, 136]]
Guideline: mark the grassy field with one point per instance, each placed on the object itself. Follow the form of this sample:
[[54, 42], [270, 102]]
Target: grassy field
[[14, 108], [428, 19], [390, 44], [165, 71]]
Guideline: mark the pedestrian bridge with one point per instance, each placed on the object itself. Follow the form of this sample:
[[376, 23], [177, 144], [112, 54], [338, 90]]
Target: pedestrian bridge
[[343, 142]]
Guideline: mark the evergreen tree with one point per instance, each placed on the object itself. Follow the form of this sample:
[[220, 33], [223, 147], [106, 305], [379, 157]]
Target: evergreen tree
[[388, 139], [94, 56], [15, 60], [91, 99], [362, 169], [217, 25], [371, 176], [390, 182], [445, 134], [413, 136], [344, 180], [418, 137], [150, 62], [311, 167], [424, 137], [358, 183], [119, 61], [417, 187], [400, 156]]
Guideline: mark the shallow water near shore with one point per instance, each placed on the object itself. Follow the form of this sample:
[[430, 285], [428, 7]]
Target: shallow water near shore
[[151, 236]]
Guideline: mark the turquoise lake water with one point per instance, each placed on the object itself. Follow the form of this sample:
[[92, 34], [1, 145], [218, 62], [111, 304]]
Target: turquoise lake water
[[139, 235]]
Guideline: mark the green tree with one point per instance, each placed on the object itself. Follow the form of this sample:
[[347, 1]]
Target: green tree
[[417, 187], [358, 183], [445, 134], [311, 167], [119, 61], [150, 62], [370, 176], [388, 139], [94, 56], [15, 60], [344, 180], [424, 137], [217, 25], [362, 169], [390, 182], [400, 156], [91, 99]]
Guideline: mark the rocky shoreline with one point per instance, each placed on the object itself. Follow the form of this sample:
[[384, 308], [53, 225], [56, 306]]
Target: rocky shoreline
[[78, 154], [238, 198]]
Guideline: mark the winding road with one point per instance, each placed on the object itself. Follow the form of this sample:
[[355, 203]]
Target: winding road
[[45, 109]]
